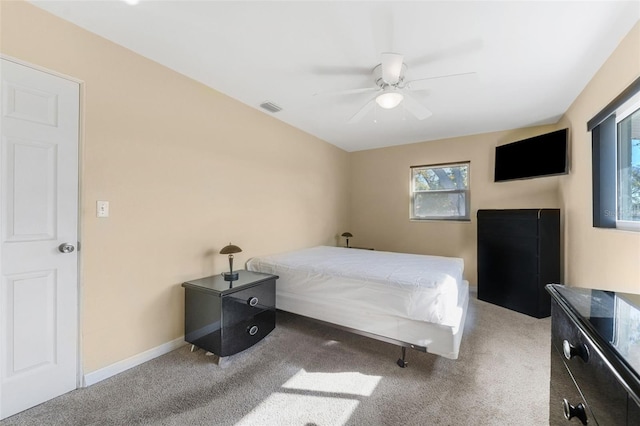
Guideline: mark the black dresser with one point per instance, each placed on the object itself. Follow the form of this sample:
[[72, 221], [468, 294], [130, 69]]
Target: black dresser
[[595, 357], [518, 254], [226, 317]]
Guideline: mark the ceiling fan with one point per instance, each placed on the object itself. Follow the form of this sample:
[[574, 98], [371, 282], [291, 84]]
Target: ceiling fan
[[391, 88]]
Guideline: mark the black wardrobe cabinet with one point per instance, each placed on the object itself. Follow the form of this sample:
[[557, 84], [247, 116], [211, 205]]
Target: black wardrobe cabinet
[[518, 254]]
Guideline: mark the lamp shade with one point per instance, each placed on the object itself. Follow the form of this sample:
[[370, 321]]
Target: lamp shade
[[347, 234], [230, 249]]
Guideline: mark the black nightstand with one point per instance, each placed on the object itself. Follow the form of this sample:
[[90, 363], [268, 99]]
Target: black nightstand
[[228, 317]]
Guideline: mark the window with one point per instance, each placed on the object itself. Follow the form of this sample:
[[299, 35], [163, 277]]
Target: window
[[628, 208], [440, 192], [615, 136]]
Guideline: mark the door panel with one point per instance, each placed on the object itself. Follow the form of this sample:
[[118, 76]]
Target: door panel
[[25, 103], [30, 319], [30, 203], [39, 211]]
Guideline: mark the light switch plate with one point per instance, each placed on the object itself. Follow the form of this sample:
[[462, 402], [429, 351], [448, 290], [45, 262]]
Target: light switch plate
[[102, 208]]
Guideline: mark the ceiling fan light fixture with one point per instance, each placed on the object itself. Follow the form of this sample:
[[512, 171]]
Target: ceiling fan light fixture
[[389, 99]]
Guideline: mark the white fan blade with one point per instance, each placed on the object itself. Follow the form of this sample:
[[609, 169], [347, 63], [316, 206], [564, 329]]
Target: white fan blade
[[415, 107], [391, 67], [362, 112], [410, 84], [348, 91], [340, 70]]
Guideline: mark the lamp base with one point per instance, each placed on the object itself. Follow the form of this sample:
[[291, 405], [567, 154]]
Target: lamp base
[[230, 276]]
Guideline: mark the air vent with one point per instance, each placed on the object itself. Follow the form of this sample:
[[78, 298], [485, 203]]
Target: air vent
[[270, 106]]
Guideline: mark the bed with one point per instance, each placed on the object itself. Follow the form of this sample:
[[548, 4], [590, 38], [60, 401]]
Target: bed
[[414, 301]]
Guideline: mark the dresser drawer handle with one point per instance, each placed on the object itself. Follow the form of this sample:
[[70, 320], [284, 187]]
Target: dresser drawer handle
[[253, 301], [252, 330], [578, 411], [571, 351]]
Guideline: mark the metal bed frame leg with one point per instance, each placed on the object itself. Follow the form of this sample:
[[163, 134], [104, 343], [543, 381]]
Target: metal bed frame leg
[[401, 362]]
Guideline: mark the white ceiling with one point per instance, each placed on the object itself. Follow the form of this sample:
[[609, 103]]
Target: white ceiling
[[531, 59]]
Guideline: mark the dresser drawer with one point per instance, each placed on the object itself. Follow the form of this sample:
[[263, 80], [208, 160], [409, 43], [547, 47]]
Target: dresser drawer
[[564, 395], [633, 412], [508, 223], [601, 390]]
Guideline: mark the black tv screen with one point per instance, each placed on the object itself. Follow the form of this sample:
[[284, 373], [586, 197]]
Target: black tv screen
[[543, 155]]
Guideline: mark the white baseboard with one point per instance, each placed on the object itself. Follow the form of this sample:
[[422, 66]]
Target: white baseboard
[[120, 366]]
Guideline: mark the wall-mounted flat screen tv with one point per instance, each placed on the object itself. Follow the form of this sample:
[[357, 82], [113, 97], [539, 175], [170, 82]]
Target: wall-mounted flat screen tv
[[544, 155]]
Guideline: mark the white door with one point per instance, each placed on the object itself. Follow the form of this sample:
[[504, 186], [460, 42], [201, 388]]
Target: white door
[[38, 213]]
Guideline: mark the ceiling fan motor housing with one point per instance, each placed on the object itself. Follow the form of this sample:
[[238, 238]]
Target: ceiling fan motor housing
[[379, 81]]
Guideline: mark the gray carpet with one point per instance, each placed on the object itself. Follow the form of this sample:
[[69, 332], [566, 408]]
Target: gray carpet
[[309, 374]]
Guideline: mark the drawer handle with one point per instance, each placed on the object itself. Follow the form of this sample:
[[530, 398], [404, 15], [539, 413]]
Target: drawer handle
[[252, 330], [571, 351], [578, 411], [252, 301]]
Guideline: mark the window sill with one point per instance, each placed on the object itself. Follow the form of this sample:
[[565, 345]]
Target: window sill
[[627, 225], [411, 219]]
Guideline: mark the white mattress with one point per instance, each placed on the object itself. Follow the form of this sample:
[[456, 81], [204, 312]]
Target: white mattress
[[417, 299], [410, 286]]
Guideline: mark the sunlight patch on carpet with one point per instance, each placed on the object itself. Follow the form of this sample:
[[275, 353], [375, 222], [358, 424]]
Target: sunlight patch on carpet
[[352, 383], [313, 399], [291, 409]]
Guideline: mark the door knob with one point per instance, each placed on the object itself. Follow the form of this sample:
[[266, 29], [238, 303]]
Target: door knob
[[66, 248]]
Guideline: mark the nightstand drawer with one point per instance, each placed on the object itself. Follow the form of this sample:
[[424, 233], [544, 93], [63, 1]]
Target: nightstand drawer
[[241, 305], [246, 333], [600, 389]]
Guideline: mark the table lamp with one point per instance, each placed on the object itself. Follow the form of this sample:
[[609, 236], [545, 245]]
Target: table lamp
[[230, 249], [347, 235]]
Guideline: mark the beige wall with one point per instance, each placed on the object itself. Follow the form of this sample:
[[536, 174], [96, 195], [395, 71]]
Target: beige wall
[[599, 258], [380, 195], [186, 170]]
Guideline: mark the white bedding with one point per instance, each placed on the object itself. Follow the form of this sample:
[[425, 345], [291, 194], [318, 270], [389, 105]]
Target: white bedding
[[415, 287], [416, 299]]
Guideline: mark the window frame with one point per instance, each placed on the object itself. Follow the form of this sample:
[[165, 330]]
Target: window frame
[[604, 149], [466, 192], [627, 109]]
